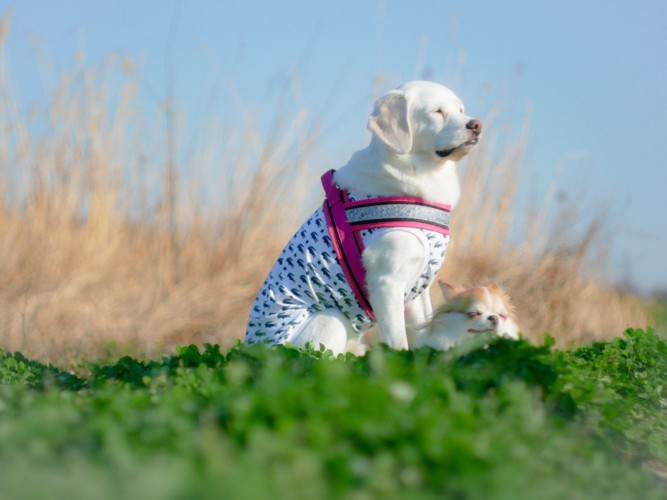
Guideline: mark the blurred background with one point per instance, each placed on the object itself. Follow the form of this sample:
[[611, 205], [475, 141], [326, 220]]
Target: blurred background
[[156, 155]]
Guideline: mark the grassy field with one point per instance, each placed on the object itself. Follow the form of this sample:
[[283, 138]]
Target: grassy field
[[122, 239], [504, 420]]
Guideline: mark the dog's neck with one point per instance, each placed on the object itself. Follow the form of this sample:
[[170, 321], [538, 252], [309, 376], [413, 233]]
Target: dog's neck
[[373, 171]]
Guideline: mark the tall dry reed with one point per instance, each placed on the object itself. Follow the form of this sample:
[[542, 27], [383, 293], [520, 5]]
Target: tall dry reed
[[107, 246], [89, 259]]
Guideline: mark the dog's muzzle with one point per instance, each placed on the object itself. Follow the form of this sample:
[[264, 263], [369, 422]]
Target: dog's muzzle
[[446, 152], [475, 126]]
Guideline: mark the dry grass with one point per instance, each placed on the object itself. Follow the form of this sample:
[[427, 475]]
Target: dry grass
[[103, 248], [98, 254]]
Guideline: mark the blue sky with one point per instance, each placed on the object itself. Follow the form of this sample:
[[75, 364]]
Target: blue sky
[[592, 73]]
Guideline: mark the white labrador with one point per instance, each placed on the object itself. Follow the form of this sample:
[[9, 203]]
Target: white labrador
[[418, 132]]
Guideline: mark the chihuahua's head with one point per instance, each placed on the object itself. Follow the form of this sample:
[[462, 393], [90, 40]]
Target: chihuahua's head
[[469, 311]]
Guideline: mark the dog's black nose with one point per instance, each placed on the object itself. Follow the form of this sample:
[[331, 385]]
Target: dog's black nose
[[475, 126], [492, 318]]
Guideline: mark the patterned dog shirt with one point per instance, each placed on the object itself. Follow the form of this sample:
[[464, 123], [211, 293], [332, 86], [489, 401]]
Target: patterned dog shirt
[[308, 278]]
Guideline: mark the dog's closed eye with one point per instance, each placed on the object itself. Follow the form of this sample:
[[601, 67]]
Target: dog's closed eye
[[474, 314]]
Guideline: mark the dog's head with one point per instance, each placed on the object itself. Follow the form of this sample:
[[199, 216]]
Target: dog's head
[[476, 310], [424, 119]]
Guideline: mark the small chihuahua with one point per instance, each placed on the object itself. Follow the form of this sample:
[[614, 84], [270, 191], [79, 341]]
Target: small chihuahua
[[479, 309]]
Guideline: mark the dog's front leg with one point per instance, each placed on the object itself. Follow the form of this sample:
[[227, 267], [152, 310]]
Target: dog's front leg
[[392, 262], [418, 312]]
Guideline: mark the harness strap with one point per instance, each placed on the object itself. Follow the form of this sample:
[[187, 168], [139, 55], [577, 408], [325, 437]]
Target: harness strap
[[347, 247], [346, 219], [392, 212]]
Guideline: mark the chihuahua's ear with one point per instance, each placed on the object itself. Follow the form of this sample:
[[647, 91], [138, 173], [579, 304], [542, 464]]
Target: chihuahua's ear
[[448, 290], [389, 122]]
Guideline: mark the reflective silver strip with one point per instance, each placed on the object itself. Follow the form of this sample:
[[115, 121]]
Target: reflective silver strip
[[397, 212]]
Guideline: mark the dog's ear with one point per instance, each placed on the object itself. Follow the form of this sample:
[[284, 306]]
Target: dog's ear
[[448, 290], [389, 122]]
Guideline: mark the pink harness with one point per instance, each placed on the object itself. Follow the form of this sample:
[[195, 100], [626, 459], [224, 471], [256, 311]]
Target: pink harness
[[346, 219]]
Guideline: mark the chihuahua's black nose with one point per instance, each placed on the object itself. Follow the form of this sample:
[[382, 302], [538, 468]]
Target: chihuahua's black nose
[[493, 319], [475, 126]]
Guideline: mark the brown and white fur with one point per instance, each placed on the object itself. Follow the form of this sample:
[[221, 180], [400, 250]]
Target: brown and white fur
[[467, 312], [418, 132]]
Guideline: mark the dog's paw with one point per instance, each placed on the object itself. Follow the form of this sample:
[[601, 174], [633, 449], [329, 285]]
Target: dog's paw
[[356, 347]]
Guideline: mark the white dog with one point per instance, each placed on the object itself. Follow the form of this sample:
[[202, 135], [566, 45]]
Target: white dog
[[407, 173]]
